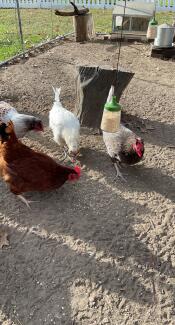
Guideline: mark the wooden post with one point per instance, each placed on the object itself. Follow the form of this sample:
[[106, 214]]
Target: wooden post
[[84, 27], [92, 88]]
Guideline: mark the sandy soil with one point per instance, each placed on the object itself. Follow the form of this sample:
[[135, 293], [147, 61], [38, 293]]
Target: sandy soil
[[98, 251]]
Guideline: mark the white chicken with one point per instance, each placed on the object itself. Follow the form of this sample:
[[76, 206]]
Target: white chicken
[[65, 126], [22, 122]]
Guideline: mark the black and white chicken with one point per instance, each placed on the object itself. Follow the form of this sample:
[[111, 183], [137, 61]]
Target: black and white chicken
[[123, 146], [22, 122]]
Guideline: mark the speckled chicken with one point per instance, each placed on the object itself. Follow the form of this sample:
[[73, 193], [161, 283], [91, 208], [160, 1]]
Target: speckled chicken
[[123, 146], [22, 122]]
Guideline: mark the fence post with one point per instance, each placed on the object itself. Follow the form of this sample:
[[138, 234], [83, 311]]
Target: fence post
[[20, 26]]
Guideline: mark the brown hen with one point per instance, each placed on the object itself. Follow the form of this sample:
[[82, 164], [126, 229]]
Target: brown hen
[[27, 170]]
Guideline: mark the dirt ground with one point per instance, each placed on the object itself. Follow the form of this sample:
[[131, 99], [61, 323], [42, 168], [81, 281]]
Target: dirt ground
[[99, 251]]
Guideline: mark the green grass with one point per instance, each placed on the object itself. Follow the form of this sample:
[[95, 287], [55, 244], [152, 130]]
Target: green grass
[[165, 17], [38, 25], [42, 24]]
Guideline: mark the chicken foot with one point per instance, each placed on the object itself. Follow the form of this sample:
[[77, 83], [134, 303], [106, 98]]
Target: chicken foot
[[64, 154], [119, 174], [23, 199]]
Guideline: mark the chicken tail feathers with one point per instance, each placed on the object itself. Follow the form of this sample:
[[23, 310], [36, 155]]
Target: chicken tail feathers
[[76, 174], [57, 93], [111, 93]]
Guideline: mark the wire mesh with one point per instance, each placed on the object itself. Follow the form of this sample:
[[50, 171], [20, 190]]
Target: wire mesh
[[40, 25]]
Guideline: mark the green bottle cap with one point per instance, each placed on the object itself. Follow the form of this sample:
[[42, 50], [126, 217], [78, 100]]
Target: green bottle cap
[[113, 106], [153, 22]]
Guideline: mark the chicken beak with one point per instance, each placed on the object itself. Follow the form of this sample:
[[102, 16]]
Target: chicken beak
[[74, 159]]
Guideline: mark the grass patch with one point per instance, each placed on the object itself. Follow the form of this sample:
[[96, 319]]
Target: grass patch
[[38, 25], [42, 24]]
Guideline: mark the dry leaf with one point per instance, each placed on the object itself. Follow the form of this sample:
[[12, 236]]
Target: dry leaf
[[171, 147], [143, 130], [3, 238], [150, 128]]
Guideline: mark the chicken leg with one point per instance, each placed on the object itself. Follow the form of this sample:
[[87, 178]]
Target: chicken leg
[[64, 154], [23, 199], [119, 174]]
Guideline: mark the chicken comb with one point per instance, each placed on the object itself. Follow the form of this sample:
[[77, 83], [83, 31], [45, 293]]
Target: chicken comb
[[78, 170], [74, 177]]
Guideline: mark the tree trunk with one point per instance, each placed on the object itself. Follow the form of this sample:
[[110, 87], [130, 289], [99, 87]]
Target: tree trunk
[[84, 27], [92, 88]]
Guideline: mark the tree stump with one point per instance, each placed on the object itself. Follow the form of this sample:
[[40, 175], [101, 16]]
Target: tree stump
[[92, 88], [84, 27]]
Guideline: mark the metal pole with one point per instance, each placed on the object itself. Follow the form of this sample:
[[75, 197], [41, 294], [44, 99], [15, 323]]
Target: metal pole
[[52, 16], [20, 27]]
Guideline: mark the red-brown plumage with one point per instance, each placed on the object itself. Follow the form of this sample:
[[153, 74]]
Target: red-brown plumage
[[27, 170]]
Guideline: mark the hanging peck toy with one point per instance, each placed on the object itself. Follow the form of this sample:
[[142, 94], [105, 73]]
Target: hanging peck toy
[[111, 114], [152, 29]]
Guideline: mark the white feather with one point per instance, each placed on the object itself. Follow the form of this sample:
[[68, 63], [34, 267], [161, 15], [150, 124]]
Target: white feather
[[64, 124]]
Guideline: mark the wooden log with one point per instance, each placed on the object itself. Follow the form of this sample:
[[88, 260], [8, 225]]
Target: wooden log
[[92, 88], [70, 12], [67, 12], [84, 27]]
